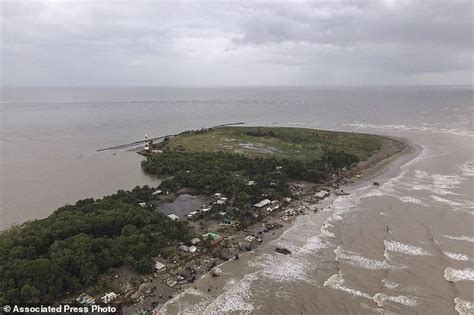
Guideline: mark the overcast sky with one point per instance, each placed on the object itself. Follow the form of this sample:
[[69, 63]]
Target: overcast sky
[[110, 43]]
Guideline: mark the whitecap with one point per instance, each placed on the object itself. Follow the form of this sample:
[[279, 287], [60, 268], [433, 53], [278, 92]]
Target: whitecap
[[380, 299], [452, 131], [336, 282], [467, 169], [463, 307], [408, 199], [406, 249], [446, 201], [460, 238], [456, 275], [445, 181], [314, 244], [234, 298], [390, 284], [373, 193], [280, 268], [358, 260], [456, 256]]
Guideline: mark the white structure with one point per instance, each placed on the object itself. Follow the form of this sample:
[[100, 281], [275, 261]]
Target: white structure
[[192, 249], [159, 266], [322, 194], [157, 192], [173, 217], [142, 204], [271, 209], [251, 183], [262, 203], [192, 214], [249, 238], [221, 201], [195, 240], [108, 297], [204, 210]]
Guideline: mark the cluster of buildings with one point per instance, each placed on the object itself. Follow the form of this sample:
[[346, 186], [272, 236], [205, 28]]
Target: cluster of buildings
[[87, 300]]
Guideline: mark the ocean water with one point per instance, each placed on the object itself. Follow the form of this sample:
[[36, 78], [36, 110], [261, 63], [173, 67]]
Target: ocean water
[[344, 261]]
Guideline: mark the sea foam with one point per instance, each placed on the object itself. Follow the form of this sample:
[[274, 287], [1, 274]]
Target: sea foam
[[460, 238], [456, 256], [456, 275], [406, 249], [408, 199], [234, 297], [357, 260], [380, 299], [446, 201], [463, 307], [280, 268], [467, 169], [336, 282]]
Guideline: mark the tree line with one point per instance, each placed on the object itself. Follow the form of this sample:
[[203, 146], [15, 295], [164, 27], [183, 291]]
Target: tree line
[[42, 260]]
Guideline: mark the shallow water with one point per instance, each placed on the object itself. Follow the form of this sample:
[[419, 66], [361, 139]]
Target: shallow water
[[344, 259], [183, 205]]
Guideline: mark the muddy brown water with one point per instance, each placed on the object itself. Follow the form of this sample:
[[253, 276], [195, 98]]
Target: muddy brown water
[[404, 247]]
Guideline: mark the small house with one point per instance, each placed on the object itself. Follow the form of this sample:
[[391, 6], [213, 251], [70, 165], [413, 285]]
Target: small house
[[85, 299], [142, 204], [322, 194], [192, 249], [229, 222], [159, 266], [204, 210], [157, 192], [173, 217], [108, 297], [262, 203], [192, 214], [251, 183]]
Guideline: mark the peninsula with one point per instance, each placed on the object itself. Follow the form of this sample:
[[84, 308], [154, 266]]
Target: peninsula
[[222, 189]]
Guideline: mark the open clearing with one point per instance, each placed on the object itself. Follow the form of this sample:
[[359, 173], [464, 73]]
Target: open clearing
[[281, 142]]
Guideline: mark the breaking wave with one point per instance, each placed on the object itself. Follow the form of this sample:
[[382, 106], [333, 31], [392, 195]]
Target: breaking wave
[[408, 199], [446, 201], [406, 249], [456, 256], [357, 260], [336, 282], [380, 299], [463, 307], [460, 238], [451, 131], [467, 169], [456, 275]]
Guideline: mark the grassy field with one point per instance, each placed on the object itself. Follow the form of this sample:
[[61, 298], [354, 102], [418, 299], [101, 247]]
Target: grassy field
[[280, 142]]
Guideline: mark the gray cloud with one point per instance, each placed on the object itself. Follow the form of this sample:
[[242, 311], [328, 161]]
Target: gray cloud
[[213, 43]]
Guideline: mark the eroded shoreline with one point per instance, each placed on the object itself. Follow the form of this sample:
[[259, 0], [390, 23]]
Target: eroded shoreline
[[205, 269]]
